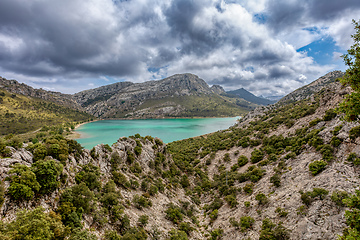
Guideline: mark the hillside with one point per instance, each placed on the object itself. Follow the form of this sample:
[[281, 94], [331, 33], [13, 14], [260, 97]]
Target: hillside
[[248, 96], [181, 95], [21, 114], [281, 173], [58, 98]]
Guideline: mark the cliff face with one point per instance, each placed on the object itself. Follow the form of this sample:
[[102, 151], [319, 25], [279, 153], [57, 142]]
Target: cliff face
[[214, 191]]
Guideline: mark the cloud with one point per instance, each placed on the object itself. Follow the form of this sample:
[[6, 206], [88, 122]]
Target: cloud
[[71, 44]]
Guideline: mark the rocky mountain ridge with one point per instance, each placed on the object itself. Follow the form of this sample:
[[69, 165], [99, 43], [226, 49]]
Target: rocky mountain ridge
[[169, 97]]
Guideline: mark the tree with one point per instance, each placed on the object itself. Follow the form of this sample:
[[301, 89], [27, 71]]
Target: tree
[[350, 106]]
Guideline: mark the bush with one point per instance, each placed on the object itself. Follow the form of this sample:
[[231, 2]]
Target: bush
[[317, 166], [137, 150], [338, 196], [281, 212], [35, 224], [256, 156], [261, 198], [47, 174], [23, 183], [173, 213], [143, 220], [79, 195], [352, 217], [141, 202], [177, 235], [354, 133], [246, 222], [231, 200], [90, 176], [276, 180], [271, 231], [242, 160], [248, 188], [335, 141], [329, 115]]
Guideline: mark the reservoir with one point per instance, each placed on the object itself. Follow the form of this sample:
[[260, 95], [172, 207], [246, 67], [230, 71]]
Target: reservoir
[[168, 130]]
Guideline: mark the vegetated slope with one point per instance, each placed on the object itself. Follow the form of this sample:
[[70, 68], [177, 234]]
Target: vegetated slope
[[313, 87], [21, 114], [248, 96], [281, 173], [181, 95], [62, 99]]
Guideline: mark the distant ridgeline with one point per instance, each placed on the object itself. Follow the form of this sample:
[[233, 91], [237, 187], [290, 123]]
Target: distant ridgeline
[[181, 95], [24, 108]]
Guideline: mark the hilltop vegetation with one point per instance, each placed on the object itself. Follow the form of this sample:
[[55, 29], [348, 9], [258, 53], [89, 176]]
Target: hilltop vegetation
[[21, 114]]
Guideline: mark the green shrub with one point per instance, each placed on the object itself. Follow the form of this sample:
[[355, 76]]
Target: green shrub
[[327, 152], [317, 166], [276, 180], [231, 200], [47, 174], [141, 202], [352, 217], [314, 122], [35, 224], [248, 188], [137, 150], [353, 158], [143, 220], [227, 157], [335, 141], [247, 204], [23, 183], [79, 196], [256, 156], [281, 212], [261, 198], [246, 223], [89, 175], [338, 196], [329, 115], [216, 234], [174, 214], [354, 132], [271, 231], [213, 215], [242, 160], [308, 197], [177, 235]]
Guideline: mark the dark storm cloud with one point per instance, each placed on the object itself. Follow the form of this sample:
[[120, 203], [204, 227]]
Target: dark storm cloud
[[50, 42]]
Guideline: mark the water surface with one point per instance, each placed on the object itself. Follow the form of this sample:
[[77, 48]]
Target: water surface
[[109, 131]]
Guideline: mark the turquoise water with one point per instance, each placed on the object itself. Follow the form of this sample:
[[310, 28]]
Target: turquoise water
[[109, 131]]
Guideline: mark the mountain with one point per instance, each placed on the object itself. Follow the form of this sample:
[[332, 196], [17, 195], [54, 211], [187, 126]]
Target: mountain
[[23, 113], [248, 96], [281, 173], [313, 87], [14, 86], [181, 95]]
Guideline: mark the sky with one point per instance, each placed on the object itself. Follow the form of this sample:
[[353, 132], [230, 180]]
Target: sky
[[269, 47]]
